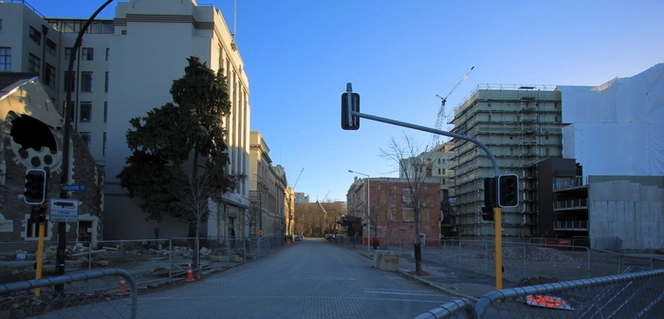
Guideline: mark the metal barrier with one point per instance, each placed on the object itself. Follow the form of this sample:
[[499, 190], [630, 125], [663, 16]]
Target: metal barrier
[[457, 308], [107, 293], [633, 295]]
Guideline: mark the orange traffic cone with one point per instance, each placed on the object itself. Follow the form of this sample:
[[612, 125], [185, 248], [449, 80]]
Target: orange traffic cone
[[190, 274], [123, 284]]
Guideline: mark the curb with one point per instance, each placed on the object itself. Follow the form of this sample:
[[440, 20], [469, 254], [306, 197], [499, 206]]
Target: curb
[[404, 273]]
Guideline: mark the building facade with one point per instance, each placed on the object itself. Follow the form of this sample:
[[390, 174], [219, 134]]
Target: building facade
[[267, 191], [391, 218], [125, 67], [521, 126]]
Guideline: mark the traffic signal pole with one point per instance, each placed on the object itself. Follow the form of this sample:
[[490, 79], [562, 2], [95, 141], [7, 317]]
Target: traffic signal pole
[[350, 120], [64, 179]]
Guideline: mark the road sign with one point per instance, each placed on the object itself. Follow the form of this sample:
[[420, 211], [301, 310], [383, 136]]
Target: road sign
[[73, 187], [64, 210]]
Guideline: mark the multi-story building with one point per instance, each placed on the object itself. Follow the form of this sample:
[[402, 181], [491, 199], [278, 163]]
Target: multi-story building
[[267, 190], [521, 126], [301, 197], [124, 68], [391, 218]]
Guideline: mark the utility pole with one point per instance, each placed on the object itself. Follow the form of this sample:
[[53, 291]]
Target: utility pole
[[64, 179]]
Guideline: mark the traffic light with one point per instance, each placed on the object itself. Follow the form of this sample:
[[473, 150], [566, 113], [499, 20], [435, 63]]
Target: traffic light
[[489, 198], [349, 121], [35, 186], [508, 190]]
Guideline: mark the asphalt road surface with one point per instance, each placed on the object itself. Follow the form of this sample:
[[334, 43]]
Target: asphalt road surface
[[309, 279]]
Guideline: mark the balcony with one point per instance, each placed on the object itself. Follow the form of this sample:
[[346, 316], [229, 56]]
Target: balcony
[[570, 225], [569, 204]]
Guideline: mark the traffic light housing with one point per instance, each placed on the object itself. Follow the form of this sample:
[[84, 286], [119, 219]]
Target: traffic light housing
[[508, 190], [489, 198], [349, 121], [35, 186]]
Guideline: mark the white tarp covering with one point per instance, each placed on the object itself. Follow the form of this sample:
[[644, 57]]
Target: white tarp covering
[[618, 127]]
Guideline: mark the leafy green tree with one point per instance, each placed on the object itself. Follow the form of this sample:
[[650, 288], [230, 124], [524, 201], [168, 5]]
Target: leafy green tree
[[179, 155]]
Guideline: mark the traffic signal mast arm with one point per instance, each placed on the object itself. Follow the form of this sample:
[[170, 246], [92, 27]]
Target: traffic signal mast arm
[[350, 120], [354, 117]]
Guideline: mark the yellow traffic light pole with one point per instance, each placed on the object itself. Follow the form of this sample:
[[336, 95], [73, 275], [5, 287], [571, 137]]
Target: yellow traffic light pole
[[499, 246], [40, 247]]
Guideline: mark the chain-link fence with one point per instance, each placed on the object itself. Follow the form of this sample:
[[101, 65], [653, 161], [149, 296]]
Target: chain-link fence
[[151, 261], [106, 293], [633, 295]]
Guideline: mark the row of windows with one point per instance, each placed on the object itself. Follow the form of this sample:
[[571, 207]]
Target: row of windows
[[85, 111], [86, 81], [407, 214]]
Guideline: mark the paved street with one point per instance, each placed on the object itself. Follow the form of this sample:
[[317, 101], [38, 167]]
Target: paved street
[[309, 279]]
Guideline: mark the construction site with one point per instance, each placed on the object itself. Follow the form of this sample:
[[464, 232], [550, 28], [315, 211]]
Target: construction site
[[522, 126]]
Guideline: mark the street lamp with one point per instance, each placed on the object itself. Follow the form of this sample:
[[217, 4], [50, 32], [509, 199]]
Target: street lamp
[[368, 207]]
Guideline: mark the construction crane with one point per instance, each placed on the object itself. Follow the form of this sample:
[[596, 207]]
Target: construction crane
[[442, 117], [298, 178]]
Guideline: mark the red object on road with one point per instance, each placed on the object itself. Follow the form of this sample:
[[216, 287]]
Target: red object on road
[[190, 274], [548, 302]]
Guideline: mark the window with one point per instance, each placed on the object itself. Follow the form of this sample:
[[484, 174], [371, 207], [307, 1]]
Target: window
[[85, 111], [70, 81], [408, 214], [103, 146], [51, 47], [439, 171], [5, 59], [34, 63], [35, 35], [86, 138], [424, 214], [106, 82], [49, 75], [107, 52], [88, 54], [68, 54], [86, 81], [405, 196], [105, 111]]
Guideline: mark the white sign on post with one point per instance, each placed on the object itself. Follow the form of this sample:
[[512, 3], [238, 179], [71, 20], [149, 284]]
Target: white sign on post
[[64, 210]]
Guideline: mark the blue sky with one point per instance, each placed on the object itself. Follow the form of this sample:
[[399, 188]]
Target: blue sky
[[299, 55]]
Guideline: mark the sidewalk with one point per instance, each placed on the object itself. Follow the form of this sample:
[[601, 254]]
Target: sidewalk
[[452, 281]]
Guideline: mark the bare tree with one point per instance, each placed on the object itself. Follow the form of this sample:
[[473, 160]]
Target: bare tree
[[412, 168]]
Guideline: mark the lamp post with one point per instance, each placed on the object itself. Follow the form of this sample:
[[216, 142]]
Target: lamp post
[[368, 207]]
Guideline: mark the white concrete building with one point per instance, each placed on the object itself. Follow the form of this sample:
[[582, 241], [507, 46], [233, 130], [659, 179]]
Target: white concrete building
[[125, 68]]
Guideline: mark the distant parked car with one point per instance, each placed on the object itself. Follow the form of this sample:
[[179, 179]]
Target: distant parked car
[[299, 238], [330, 237]]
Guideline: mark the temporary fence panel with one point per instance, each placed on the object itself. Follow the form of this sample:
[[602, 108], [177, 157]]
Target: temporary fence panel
[[634, 295], [107, 293], [617, 296]]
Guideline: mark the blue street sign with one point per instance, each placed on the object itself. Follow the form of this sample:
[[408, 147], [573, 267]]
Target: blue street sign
[[73, 187]]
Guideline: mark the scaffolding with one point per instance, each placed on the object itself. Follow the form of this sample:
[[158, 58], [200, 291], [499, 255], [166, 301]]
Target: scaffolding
[[522, 126]]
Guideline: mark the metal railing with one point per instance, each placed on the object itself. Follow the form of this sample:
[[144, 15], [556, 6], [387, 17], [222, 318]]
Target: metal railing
[[105, 293], [634, 295]]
